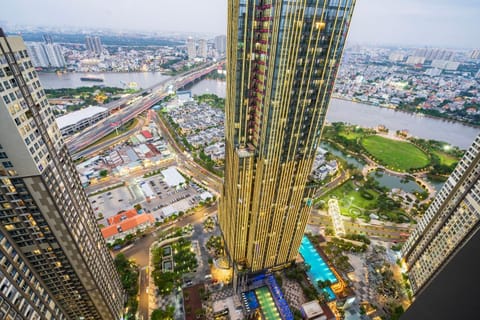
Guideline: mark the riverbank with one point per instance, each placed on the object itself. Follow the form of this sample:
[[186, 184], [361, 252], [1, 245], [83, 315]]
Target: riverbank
[[52, 80], [60, 72], [418, 114]]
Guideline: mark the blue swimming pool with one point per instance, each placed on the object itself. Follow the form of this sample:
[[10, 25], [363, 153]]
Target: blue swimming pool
[[319, 270]]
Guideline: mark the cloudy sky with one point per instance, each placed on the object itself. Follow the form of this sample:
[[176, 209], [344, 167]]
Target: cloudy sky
[[449, 23]]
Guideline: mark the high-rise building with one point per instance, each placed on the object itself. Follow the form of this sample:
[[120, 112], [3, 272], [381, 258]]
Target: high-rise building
[[54, 263], [47, 38], [221, 44], [94, 44], [46, 55], [475, 54], [449, 223], [433, 54], [38, 55], [191, 48], [282, 59], [202, 48]]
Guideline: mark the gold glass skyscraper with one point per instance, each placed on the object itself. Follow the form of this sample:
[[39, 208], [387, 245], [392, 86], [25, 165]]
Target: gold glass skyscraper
[[282, 56]]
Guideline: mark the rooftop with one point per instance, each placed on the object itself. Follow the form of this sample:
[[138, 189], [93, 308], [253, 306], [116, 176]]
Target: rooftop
[[172, 177], [312, 309], [76, 116], [122, 216], [127, 224]]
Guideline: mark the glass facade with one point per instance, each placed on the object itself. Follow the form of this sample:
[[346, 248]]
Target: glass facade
[[449, 222], [282, 58], [54, 263]]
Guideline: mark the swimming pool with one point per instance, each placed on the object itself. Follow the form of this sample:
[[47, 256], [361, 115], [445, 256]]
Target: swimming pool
[[319, 269]]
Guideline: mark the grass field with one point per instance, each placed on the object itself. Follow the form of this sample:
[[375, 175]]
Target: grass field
[[349, 197], [353, 204], [269, 309], [350, 135], [445, 158], [395, 155]]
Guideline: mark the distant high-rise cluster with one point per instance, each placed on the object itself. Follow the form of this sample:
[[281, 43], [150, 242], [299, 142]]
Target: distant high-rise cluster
[[282, 60], [449, 222], [202, 48], [433, 54], [221, 44], [54, 263], [191, 48], [94, 44], [475, 54], [47, 54]]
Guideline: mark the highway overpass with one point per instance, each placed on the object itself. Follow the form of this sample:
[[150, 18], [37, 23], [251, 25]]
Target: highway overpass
[[132, 106]]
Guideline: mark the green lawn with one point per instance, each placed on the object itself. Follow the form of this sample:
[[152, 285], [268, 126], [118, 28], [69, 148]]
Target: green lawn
[[395, 155], [349, 198], [350, 135], [445, 158]]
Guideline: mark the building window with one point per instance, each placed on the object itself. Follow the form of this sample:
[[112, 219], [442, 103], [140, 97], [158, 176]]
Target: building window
[[7, 164]]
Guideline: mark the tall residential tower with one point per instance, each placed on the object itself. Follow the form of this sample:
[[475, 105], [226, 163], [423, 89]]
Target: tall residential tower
[[442, 252], [282, 58], [53, 260], [94, 44]]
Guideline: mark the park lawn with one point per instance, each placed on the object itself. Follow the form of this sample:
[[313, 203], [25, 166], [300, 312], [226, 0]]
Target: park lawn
[[346, 194], [445, 158], [395, 155], [350, 135]]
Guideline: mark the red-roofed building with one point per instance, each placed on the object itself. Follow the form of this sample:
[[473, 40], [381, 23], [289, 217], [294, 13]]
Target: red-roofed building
[[146, 134], [122, 216], [127, 226]]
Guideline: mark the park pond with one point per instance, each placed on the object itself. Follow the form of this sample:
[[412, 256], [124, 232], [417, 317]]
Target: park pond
[[395, 182], [384, 179], [338, 153]]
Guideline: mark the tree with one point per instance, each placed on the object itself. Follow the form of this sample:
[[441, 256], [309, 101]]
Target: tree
[[103, 173], [167, 314], [128, 272]]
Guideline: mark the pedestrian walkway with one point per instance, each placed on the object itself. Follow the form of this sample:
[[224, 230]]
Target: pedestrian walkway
[[293, 293]]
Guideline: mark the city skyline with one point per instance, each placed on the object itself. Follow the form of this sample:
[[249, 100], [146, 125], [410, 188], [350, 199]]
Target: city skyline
[[406, 23]]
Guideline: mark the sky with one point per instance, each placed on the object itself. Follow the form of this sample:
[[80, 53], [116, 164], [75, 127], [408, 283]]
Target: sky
[[441, 23]]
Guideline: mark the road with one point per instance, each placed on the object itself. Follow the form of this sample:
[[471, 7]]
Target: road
[[384, 231], [186, 163], [133, 106], [143, 295], [139, 252], [95, 149]]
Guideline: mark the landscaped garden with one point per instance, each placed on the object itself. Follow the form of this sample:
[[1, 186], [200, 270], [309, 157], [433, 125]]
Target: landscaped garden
[[128, 272], [409, 155], [184, 261], [361, 199], [395, 155]]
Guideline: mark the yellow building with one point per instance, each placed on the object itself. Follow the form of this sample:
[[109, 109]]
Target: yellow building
[[282, 59]]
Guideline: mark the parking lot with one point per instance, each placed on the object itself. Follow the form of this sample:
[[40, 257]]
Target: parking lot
[[164, 199], [110, 203]]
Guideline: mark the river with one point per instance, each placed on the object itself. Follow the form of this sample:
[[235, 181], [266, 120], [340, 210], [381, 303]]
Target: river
[[111, 79], [364, 115]]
